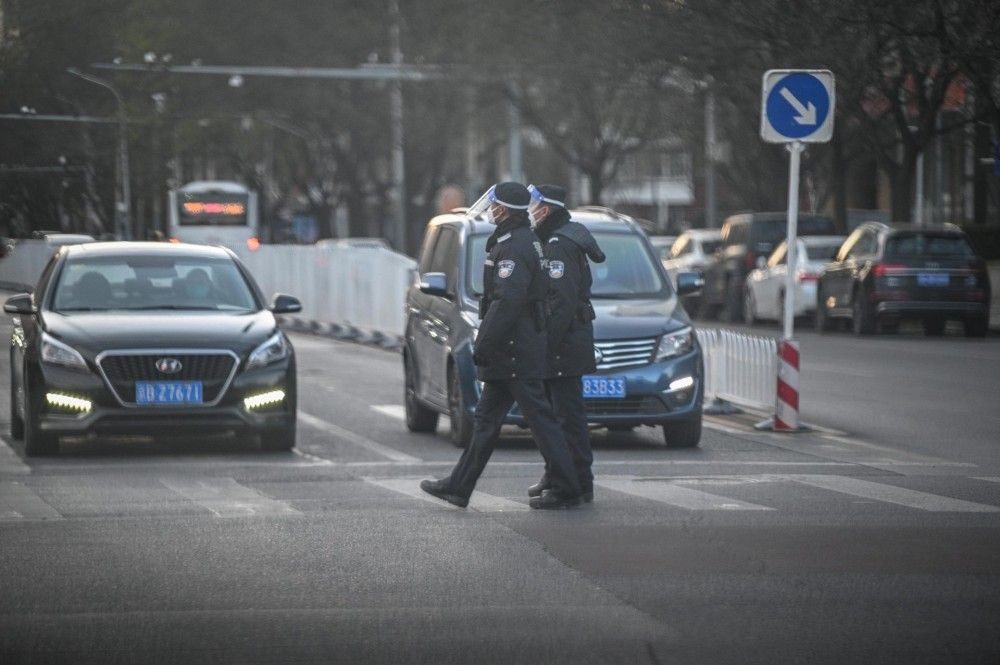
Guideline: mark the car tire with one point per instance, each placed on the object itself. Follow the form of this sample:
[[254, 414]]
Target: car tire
[[418, 417], [684, 434], [822, 317], [749, 307], [16, 422], [278, 439], [460, 428], [862, 319], [732, 305], [37, 443], [974, 327], [934, 327]]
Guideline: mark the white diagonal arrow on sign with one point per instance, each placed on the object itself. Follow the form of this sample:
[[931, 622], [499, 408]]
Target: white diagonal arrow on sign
[[807, 114]]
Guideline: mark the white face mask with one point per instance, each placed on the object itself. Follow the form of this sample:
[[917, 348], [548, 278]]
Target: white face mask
[[532, 218], [491, 217]]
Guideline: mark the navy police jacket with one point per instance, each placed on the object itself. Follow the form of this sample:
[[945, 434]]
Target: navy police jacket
[[511, 339], [567, 245]]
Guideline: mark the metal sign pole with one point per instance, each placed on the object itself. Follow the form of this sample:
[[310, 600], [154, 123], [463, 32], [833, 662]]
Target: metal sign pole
[[792, 244]]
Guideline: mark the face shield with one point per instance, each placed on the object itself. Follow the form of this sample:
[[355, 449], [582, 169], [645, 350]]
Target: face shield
[[539, 201], [486, 204]]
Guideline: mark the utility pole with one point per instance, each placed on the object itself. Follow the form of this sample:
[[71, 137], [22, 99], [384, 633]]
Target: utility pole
[[710, 153], [514, 143], [396, 133], [123, 207]]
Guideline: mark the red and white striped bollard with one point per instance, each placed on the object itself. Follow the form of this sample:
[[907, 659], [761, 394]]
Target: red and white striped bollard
[[786, 407]]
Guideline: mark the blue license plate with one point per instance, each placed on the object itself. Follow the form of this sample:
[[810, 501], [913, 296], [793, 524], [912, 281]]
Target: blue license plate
[[932, 279], [604, 387], [168, 392]]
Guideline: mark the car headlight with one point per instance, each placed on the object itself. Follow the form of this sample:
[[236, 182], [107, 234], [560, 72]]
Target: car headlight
[[273, 350], [675, 343], [55, 352]]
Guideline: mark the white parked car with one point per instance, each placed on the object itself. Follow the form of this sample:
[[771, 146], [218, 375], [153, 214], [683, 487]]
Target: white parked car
[[764, 293], [693, 251], [662, 245]]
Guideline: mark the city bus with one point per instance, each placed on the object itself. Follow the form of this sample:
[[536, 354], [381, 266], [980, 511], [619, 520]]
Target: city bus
[[214, 212]]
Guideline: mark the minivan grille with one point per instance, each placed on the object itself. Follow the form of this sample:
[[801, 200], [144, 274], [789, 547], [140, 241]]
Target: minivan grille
[[625, 353], [122, 370]]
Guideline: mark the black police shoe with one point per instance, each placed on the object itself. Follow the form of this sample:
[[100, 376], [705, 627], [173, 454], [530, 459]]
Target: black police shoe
[[540, 486], [553, 499], [440, 489]]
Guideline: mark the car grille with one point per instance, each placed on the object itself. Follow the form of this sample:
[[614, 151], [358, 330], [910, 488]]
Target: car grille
[[214, 370], [627, 406], [625, 353]]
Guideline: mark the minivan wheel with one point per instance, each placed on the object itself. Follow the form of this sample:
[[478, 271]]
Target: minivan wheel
[[37, 442], [684, 434], [418, 417], [460, 431], [16, 422]]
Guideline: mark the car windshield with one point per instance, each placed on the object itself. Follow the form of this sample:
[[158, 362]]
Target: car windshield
[[827, 252], [151, 283], [709, 246], [919, 245], [628, 272]]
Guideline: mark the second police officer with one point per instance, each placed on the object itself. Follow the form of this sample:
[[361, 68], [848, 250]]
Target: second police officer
[[510, 355], [567, 245]]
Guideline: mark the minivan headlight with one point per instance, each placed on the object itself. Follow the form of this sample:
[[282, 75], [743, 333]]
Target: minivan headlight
[[273, 350], [55, 352], [675, 343]]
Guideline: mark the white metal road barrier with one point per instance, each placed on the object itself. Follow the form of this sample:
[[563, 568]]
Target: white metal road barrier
[[358, 290], [739, 369]]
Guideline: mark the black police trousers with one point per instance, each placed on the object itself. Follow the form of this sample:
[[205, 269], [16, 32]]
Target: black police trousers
[[494, 403], [566, 395]]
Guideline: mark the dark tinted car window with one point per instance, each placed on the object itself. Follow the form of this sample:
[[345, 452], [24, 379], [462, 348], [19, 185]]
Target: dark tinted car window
[[709, 246], [915, 245], [774, 231], [822, 252]]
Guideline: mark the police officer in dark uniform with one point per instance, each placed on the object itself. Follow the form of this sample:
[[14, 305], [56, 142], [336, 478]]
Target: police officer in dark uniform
[[570, 329], [510, 354]]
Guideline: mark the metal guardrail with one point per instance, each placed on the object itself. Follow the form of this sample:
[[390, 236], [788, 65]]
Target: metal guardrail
[[359, 291], [740, 369]]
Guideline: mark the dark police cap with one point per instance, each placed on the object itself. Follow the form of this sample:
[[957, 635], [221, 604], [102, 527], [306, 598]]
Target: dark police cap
[[512, 194], [553, 194]]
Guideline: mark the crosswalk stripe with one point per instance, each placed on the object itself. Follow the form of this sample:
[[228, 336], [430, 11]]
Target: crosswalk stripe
[[18, 502], [673, 494], [891, 494], [480, 501], [357, 439], [225, 497]]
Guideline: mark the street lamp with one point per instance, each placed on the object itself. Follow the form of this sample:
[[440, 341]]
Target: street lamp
[[123, 206]]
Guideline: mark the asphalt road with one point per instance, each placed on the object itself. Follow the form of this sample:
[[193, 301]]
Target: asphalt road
[[754, 548]]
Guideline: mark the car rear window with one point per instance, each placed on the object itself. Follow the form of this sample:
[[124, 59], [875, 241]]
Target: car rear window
[[775, 230], [934, 245], [709, 246], [823, 252]]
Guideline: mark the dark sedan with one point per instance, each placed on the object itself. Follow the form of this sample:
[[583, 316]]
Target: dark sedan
[[887, 273], [149, 339]]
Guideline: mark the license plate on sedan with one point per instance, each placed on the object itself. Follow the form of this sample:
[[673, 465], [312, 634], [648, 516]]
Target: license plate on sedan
[[168, 392], [932, 279], [604, 387]]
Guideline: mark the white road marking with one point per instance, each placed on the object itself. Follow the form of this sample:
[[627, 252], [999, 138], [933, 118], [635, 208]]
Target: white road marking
[[480, 501], [396, 411], [673, 494], [865, 489], [225, 497], [315, 461], [18, 502], [989, 479], [357, 439]]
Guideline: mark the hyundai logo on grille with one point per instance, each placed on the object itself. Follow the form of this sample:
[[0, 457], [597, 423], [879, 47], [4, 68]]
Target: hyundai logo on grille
[[598, 356], [168, 365]]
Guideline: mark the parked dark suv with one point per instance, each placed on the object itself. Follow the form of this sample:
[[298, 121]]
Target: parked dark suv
[[884, 274], [745, 238], [649, 363]]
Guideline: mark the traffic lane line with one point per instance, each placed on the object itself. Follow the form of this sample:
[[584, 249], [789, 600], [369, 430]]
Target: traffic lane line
[[361, 441], [673, 494], [224, 497], [479, 501], [18, 502]]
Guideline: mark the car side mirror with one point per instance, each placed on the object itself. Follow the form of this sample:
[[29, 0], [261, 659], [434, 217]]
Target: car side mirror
[[434, 284], [689, 282], [20, 304], [761, 262], [284, 304]]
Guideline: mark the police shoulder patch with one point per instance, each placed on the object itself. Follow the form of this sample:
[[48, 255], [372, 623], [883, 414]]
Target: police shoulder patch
[[505, 268], [556, 269]]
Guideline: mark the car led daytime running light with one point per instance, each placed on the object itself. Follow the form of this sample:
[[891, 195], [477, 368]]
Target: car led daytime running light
[[68, 402], [681, 384], [262, 400]]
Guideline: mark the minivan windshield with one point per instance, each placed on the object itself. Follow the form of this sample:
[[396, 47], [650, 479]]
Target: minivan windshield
[[630, 270], [87, 284]]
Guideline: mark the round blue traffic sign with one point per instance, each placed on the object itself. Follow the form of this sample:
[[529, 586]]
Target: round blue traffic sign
[[797, 105]]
